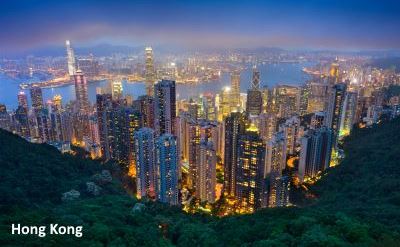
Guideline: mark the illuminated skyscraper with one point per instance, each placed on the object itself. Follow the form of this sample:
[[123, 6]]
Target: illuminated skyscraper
[[167, 164], [37, 99], [57, 101], [235, 126], [235, 89], [318, 120], [291, 130], [334, 72], [22, 100], [116, 89], [255, 81], [206, 172], [335, 108], [145, 104], [348, 114], [146, 167], [70, 59], [267, 126], [81, 92], [165, 107], [104, 111], [254, 102], [150, 72], [315, 153], [21, 115], [250, 171]]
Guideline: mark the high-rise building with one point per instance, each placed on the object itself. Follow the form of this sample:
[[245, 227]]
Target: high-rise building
[[250, 171], [235, 126], [37, 98], [116, 89], [70, 59], [22, 100], [335, 108], [150, 72], [318, 120], [254, 104], [267, 123], [57, 102], [21, 115], [146, 168], [206, 172], [81, 92], [235, 89], [167, 164], [287, 100], [292, 131], [165, 107], [317, 97], [347, 119], [145, 104], [315, 155], [104, 111], [255, 81]]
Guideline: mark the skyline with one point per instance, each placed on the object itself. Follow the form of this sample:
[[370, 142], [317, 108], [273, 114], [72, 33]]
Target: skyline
[[288, 24]]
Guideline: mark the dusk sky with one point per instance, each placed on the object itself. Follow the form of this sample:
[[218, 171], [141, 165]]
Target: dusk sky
[[353, 24]]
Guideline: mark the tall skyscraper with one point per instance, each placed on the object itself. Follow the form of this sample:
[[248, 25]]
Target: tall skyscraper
[[145, 104], [254, 102], [116, 89], [235, 125], [347, 119], [37, 98], [22, 100], [81, 92], [165, 107], [250, 171], [315, 155], [104, 111], [291, 130], [206, 172], [146, 169], [235, 89], [255, 81], [167, 164], [335, 108], [150, 72], [70, 59]]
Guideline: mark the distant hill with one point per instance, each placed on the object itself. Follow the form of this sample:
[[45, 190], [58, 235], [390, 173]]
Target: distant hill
[[356, 203]]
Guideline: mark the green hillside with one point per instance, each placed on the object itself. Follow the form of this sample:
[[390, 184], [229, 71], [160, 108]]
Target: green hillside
[[355, 204]]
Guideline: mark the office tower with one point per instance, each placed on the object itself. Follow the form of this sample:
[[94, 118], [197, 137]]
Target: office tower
[[116, 89], [223, 101], [292, 131], [250, 171], [317, 97], [235, 126], [266, 98], [43, 125], [347, 119], [206, 172], [193, 109], [81, 92], [275, 163], [287, 100], [104, 110], [70, 59], [145, 104], [209, 107], [315, 154], [165, 107], [150, 72], [167, 163], [318, 120], [334, 72], [255, 80], [146, 168], [254, 104], [57, 102], [335, 108], [21, 115], [22, 100], [235, 89], [267, 125], [37, 99]]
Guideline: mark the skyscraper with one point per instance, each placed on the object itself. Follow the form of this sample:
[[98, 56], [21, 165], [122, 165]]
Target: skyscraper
[[255, 81], [37, 99], [70, 59], [165, 107], [167, 164], [145, 104], [104, 110], [206, 172], [150, 72], [315, 153], [235, 125], [250, 171], [254, 102], [335, 108], [348, 114], [116, 89], [81, 92], [235, 89], [22, 100], [146, 169]]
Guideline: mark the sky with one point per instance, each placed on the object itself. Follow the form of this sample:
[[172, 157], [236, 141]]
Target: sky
[[292, 24]]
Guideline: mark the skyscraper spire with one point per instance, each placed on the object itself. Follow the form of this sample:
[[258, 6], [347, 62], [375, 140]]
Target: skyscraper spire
[[150, 73]]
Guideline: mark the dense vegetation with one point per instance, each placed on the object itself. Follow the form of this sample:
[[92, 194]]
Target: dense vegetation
[[356, 203]]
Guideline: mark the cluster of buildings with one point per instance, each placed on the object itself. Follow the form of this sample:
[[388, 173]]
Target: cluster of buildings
[[264, 140]]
